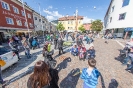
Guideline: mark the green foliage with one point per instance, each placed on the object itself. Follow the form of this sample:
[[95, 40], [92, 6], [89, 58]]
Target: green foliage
[[81, 28], [97, 25], [60, 27]]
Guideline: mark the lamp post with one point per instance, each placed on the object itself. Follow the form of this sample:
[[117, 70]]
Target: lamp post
[[41, 19], [26, 18], [76, 14]]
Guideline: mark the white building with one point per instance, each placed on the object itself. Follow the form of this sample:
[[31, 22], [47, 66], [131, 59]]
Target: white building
[[119, 17], [40, 22]]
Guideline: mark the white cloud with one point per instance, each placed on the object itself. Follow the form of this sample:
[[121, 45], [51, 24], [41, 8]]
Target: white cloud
[[87, 20], [50, 7], [50, 18], [52, 15]]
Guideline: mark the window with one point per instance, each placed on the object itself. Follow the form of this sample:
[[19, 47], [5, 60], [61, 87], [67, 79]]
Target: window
[[39, 20], [25, 24], [110, 19], [9, 20], [112, 10], [15, 9], [71, 22], [23, 14], [29, 16], [125, 3], [68, 22], [35, 18], [35, 26], [5, 5], [43, 22], [68, 27], [31, 25], [122, 16], [19, 23]]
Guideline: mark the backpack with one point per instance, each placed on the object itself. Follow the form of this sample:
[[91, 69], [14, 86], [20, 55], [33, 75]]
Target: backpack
[[34, 43], [113, 84]]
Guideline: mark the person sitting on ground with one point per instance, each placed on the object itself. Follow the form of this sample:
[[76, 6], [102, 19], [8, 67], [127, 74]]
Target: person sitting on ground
[[129, 57], [74, 50], [82, 51], [43, 76], [90, 75], [90, 52]]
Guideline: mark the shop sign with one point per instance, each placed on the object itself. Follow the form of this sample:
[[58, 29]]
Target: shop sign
[[15, 16]]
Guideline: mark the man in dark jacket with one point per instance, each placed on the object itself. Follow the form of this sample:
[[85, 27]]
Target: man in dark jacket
[[55, 41], [79, 42], [60, 46]]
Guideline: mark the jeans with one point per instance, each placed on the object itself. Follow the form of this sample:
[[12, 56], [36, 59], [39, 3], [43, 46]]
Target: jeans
[[74, 53], [27, 53], [60, 50], [127, 59]]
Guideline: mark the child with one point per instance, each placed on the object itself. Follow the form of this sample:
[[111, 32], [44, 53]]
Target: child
[[74, 50], [90, 75], [90, 52], [82, 51]]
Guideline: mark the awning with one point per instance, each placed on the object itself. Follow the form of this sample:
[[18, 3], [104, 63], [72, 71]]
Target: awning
[[128, 29], [25, 31]]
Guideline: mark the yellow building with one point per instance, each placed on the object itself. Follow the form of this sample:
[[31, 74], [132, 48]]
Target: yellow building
[[70, 22]]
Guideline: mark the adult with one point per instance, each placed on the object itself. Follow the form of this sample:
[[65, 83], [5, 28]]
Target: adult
[[60, 46], [43, 77], [55, 41], [14, 46], [79, 42]]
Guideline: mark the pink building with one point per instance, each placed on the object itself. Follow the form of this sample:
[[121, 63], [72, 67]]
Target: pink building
[[87, 26]]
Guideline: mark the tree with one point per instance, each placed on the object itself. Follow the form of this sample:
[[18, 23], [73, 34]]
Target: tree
[[97, 25], [60, 27], [81, 28]]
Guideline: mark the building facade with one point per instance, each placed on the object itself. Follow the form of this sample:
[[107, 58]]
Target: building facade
[[12, 17], [40, 22], [87, 26], [70, 22], [118, 17]]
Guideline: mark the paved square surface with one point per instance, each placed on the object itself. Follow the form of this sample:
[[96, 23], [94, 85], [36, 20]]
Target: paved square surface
[[106, 64]]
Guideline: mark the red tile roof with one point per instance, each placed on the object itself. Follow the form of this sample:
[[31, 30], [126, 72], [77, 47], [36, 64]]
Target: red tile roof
[[70, 18]]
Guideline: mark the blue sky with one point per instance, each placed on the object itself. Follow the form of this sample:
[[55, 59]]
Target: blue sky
[[53, 9]]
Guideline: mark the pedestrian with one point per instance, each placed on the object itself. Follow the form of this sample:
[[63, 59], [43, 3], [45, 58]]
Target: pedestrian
[[60, 46], [79, 42], [27, 49], [55, 41], [14, 46], [90, 75], [43, 76]]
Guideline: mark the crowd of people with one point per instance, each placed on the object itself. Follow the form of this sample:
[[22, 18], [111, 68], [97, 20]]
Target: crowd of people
[[44, 76], [127, 52]]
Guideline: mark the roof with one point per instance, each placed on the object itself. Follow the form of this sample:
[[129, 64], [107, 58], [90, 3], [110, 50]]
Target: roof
[[70, 18], [109, 7]]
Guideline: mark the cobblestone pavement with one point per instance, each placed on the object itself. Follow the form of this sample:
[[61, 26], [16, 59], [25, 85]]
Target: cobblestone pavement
[[106, 63]]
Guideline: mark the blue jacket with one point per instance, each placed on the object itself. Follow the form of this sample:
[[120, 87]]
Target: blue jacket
[[91, 52], [92, 80], [76, 50]]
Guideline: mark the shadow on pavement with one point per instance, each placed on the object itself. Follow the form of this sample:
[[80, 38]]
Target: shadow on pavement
[[63, 64], [22, 63], [29, 71], [71, 80]]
